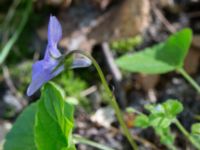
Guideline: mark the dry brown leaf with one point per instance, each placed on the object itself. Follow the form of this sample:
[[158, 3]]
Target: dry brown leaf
[[125, 20], [196, 40], [192, 60], [148, 82]]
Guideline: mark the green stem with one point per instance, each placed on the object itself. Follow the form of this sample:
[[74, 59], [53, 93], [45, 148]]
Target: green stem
[[189, 79], [187, 134], [113, 102], [82, 140], [5, 51]]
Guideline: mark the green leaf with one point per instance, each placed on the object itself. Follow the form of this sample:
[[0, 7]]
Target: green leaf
[[160, 118], [155, 109], [54, 123], [176, 48], [21, 136], [69, 111], [159, 121], [166, 137], [172, 107], [196, 129], [162, 115], [169, 109], [195, 133], [161, 58], [52, 127], [144, 62], [142, 121]]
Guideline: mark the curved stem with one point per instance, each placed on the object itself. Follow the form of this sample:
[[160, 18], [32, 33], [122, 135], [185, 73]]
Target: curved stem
[[187, 135], [189, 79], [113, 102]]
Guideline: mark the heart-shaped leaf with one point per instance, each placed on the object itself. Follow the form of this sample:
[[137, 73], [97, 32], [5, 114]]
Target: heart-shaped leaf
[[21, 136], [46, 124], [52, 127], [161, 58]]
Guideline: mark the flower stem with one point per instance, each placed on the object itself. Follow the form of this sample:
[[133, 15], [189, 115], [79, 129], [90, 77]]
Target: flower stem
[[113, 102], [187, 134], [189, 79]]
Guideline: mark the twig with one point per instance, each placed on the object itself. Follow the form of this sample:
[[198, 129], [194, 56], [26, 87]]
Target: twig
[[88, 91], [11, 86], [111, 64], [141, 140], [145, 142], [83, 140], [162, 18], [116, 74]]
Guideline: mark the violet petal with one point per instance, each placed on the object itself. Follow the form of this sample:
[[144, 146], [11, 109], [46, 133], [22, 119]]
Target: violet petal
[[42, 73], [54, 31], [54, 36], [81, 63]]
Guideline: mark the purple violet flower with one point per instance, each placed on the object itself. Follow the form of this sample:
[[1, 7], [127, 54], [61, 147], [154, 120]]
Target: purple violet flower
[[44, 70]]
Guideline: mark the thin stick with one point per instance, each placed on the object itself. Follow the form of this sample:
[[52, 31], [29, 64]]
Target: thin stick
[[145, 142], [162, 18], [82, 140], [117, 76], [141, 140], [11, 86], [89, 91]]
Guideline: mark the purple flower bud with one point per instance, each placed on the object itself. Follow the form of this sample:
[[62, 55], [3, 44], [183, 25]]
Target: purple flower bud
[[80, 62]]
